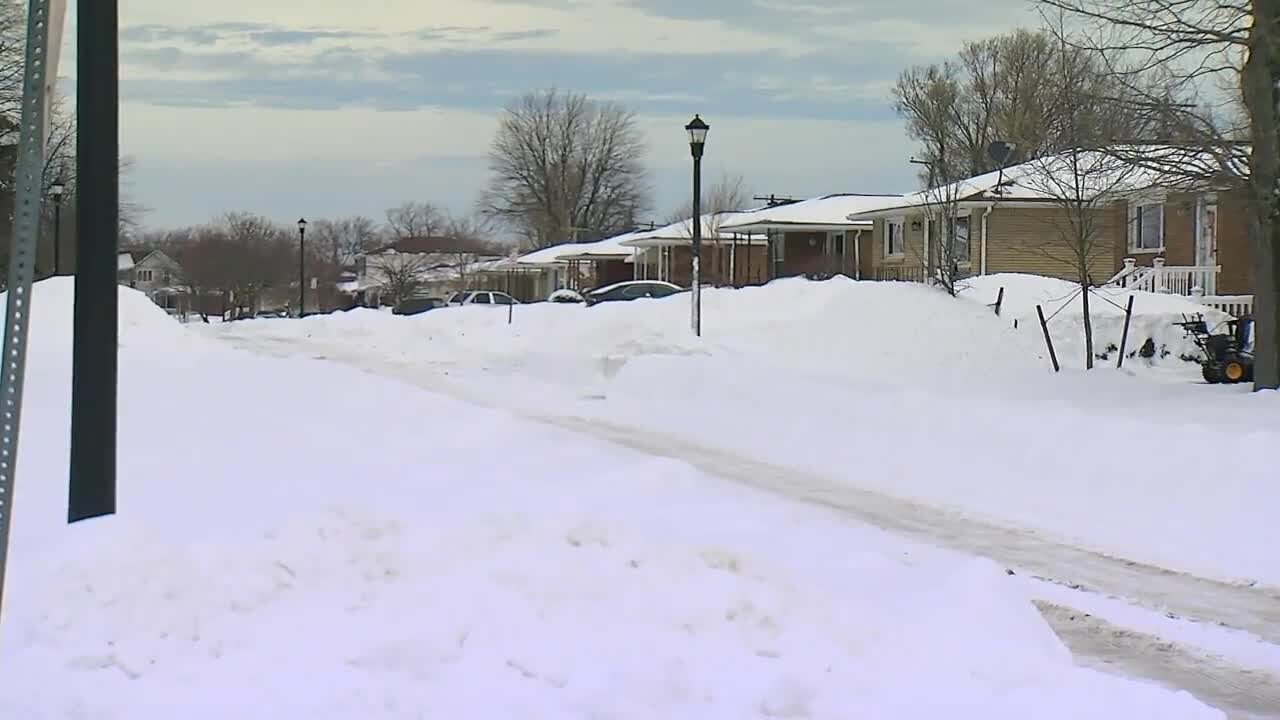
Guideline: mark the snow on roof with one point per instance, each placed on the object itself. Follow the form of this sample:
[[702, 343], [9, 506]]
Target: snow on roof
[[714, 227], [1085, 174], [828, 211], [544, 256], [611, 248]]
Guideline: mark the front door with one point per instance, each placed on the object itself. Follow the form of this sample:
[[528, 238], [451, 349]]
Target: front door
[[1207, 241], [1207, 233]]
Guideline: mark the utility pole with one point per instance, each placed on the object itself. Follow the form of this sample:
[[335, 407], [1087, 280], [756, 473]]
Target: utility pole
[[94, 353]]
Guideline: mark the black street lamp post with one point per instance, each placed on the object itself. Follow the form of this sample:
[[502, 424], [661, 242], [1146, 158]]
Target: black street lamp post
[[697, 142], [302, 268], [56, 190]]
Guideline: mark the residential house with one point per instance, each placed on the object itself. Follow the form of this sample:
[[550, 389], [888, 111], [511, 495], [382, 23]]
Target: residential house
[[814, 238], [728, 258], [1151, 229], [154, 274], [439, 265]]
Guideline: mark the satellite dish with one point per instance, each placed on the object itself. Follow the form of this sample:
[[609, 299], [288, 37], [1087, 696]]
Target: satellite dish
[[1001, 152]]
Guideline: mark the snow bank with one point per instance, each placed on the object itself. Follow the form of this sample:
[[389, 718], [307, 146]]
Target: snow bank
[[296, 539], [1154, 315], [884, 386]]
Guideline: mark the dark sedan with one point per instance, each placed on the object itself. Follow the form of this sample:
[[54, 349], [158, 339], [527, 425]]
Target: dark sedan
[[632, 290]]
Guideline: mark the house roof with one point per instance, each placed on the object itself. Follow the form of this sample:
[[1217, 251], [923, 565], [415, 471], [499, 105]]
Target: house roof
[[829, 212], [714, 227], [1072, 176], [610, 248]]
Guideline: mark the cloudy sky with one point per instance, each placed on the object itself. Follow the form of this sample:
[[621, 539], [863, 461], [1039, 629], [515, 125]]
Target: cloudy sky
[[332, 107]]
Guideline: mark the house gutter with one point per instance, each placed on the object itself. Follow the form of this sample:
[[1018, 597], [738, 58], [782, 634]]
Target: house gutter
[[985, 215]]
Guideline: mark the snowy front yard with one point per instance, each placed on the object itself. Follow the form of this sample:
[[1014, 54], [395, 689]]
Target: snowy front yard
[[300, 539]]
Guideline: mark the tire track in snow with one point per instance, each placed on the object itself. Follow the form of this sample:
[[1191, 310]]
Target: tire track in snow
[[1245, 693]]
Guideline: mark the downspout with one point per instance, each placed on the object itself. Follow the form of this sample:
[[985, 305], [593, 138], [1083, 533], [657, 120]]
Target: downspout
[[985, 215], [857, 254]]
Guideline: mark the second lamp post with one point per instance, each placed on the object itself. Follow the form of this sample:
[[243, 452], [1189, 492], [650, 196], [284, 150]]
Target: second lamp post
[[302, 268], [697, 142]]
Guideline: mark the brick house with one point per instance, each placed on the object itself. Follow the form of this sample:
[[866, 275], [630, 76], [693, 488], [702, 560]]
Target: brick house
[[1152, 231], [728, 257], [814, 238]]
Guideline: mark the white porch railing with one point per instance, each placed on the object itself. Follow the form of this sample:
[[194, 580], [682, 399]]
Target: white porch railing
[[1234, 305], [1173, 279]]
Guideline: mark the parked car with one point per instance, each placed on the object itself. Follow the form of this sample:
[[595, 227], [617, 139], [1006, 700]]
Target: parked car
[[632, 290], [415, 306], [481, 297], [565, 295]]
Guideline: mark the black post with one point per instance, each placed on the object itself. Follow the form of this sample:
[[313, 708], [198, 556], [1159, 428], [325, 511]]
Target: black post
[[92, 490], [302, 268], [697, 243], [1048, 340], [999, 301], [1124, 336], [57, 234]]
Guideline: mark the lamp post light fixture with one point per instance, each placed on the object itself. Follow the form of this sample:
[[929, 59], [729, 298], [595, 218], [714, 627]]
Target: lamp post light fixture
[[56, 191], [302, 267], [697, 130]]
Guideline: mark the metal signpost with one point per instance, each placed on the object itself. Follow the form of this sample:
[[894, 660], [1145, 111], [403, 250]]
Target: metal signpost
[[44, 39]]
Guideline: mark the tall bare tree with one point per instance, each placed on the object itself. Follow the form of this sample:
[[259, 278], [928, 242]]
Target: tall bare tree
[[1205, 71], [563, 165], [414, 220], [344, 238], [1005, 89]]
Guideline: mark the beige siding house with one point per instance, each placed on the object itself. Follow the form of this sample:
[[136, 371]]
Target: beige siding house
[[1144, 231]]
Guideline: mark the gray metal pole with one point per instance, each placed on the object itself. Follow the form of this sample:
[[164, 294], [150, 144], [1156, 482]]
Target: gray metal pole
[[22, 262], [92, 491]]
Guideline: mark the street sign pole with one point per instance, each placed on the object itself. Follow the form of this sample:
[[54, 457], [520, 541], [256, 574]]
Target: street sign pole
[[38, 77]]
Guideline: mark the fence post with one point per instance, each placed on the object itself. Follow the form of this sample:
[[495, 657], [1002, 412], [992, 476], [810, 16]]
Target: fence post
[[1048, 340], [1157, 268], [999, 301], [1124, 336]]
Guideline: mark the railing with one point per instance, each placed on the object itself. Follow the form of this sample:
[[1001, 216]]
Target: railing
[[1234, 305], [916, 274], [1175, 280]]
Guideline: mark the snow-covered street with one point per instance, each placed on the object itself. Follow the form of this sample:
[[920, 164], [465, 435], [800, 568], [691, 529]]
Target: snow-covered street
[[431, 521], [1204, 602]]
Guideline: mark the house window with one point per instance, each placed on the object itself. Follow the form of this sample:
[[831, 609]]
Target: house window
[[145, 275], [960, 238], [1148, 227], [894, 239], [837, 244]]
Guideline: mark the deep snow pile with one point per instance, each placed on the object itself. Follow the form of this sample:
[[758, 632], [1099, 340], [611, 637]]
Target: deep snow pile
[[885, 386], [851, 329], [297, 539], [1154, 315]]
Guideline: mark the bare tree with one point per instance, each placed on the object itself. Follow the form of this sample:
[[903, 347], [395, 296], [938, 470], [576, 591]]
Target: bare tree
[[948, 234], [1204, 71], [470, 239], [401, 275], [260, 255], [563, 165], [1003, 89], [345, 237], [1081, 183], [727, 194], [414, 220]]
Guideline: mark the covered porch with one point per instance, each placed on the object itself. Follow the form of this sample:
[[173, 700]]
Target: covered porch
[[815, 238]]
